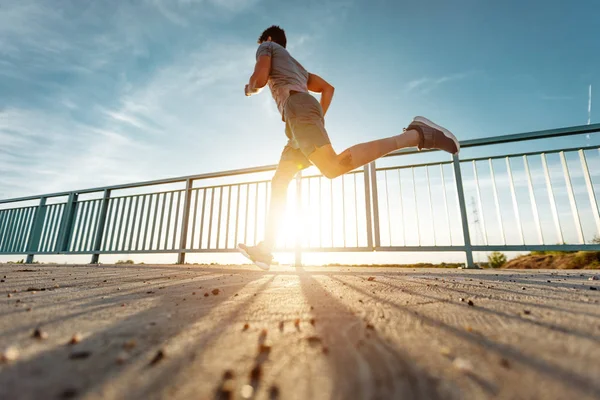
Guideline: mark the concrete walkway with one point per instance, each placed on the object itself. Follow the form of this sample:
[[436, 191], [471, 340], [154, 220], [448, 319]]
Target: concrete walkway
[[209, 332]]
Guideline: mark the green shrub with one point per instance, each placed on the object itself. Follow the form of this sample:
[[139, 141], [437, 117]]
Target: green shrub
[[496, 259], [125, 262]]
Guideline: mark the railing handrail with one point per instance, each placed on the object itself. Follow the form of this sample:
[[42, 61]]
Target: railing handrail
[[543, 134]]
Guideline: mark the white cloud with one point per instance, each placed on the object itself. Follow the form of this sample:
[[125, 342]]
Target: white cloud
[[426, 85]]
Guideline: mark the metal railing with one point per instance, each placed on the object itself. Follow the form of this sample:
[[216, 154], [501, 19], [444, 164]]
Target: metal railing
[[546, 194]]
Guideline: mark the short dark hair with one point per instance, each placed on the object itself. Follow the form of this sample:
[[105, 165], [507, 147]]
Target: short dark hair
[[277, 35]]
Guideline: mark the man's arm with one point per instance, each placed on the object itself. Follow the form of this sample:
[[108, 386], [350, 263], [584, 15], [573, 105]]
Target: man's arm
[[319, 85], [260, 77]]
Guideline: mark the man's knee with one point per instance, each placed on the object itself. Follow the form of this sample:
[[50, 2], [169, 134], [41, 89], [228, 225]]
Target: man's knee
[[283, 178]]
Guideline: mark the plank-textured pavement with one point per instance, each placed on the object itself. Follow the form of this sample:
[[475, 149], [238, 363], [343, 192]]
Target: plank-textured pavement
[[163, 331]]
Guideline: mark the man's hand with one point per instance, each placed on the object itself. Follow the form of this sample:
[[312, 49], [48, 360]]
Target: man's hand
[[319, 85]]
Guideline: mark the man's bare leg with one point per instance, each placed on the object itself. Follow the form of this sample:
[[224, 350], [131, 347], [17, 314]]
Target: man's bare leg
[[333, 165], [421, 133], [261, 253]]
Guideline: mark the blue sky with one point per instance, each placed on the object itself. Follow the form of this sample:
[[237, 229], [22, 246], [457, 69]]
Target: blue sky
[[97, 93]]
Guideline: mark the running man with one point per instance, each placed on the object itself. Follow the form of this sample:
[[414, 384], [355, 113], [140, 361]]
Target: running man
[[308, 142]]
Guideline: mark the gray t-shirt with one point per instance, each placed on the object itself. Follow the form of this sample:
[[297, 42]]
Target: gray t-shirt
[[286, 73]]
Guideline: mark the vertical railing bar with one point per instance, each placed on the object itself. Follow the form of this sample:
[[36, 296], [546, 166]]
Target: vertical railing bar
[[320, 181], [534, 209], [161, 220], [331, 205], [127, 223], [219, 215], [2, 218], [309, 208], [177, 207], [590, 190], [344, 209], [446, 203], [23, 229], [496, 201], [114, 239], [376, 220], [46, 228], [237, 213], [22, 237], [94, 216], [78, 208], [83, 228], [8, 230], [7, 235], [31, 227], [195, 215], [109, 222], [369, 223], [19, 232], [133, 222], [387, 205], [202, 218], [355, 208], [125, 202], [414, 181], [479, 203], [169, 220], [229, 188], [143, 223], [27, 228], [101, 225], [267, 190], [514, 200], [402, 222], [246, 214], [255, 213], [82, 221], [551, 198], [210, 219], [571, 195], [14, 229], [298, 249], [148, 221], [54, 228], [66, 224], [430, 204], [154, 199]]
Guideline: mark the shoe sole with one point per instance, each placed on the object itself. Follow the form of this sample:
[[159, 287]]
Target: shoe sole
[[445, 131], [259, 264]]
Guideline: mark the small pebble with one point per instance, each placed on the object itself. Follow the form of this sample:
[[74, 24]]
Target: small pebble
[[325, 350], [371, 278], [206, 294], [463, 365], [79, 355], [312, 321], [130, 344], [228, 374], [593, 278], [297, 323], [256, 373], [39, 334], [281, 325], [76, 338], [504, 362], [9, 295], [274, 393], [526, 312], [593, 288], [122, 358], [523, 288], [215, 292], [470, 303], [158, 357], [461, 299], [247, 391], [246, 326], [10, 354]]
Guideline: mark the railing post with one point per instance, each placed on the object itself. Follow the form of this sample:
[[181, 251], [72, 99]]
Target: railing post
[[298, 250], [101, 226], [36, 230], [375, 204], [184, 225], [66, 223], [463, 211]]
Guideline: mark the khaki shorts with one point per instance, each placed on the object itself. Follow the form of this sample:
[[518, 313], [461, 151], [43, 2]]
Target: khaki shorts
[[304, 127]]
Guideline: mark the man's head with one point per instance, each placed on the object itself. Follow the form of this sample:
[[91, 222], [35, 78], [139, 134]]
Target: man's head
[[273, 34]]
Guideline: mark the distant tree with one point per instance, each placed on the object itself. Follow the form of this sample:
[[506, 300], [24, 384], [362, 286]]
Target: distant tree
[[496, 259], [596, 239]]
